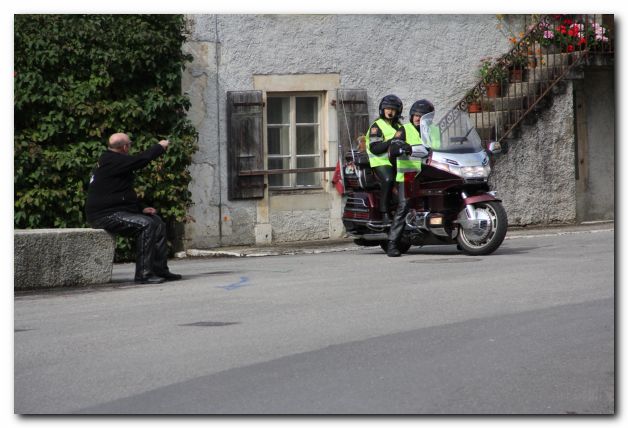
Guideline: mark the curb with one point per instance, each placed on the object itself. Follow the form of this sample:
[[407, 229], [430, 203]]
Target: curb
[[346, 244]]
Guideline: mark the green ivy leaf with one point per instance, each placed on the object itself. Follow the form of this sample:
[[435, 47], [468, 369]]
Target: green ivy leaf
[[79, 78]]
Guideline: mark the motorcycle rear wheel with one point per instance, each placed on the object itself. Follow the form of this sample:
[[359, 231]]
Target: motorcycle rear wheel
[[495, 213]]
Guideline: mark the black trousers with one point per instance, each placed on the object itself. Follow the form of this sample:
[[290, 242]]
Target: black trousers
[[386, 176], [152, 245], [399, 221]]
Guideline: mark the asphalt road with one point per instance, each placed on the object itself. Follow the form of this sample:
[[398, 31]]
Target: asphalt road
[[527, 330]]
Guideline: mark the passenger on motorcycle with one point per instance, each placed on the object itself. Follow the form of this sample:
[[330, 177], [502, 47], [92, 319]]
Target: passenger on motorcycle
[[400, 149], [378, 140]]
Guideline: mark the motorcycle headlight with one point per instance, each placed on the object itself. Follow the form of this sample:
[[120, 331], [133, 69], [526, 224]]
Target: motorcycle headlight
[[443, 166], [475, 171], [466, 172]]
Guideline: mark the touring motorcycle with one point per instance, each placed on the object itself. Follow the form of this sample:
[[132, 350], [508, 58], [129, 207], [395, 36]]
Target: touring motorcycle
[[450, 199]]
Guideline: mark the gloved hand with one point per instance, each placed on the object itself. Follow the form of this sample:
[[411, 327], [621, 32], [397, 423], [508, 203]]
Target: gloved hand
[[399, 148]]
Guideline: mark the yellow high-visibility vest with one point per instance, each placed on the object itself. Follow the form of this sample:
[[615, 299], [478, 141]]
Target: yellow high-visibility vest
[[389, 132], [404, 163]]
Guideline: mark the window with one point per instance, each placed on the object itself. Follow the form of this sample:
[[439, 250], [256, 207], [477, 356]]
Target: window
[[293, 136]]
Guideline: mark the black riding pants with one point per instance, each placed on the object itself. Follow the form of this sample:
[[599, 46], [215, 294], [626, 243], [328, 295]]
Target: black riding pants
[[386, 176], [399, 222], [152, 246]]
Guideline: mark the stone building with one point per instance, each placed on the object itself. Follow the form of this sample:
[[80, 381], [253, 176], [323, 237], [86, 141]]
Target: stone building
[[260, 83]]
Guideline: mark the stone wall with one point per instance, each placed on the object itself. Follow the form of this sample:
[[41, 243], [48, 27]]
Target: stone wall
[[412, 56], [536, 177]]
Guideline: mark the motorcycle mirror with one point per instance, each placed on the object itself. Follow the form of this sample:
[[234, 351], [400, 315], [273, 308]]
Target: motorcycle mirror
[[420, 151], [494, 147]]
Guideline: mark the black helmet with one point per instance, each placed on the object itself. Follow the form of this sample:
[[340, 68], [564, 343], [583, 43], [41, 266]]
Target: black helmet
[[390, 101], [421, 108]]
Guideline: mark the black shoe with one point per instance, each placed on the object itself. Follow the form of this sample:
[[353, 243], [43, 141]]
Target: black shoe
[[393, 251], [169, 276], [151, 279]]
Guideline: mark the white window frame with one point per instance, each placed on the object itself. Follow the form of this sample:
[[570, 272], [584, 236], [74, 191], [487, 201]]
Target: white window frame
[[292, 135]]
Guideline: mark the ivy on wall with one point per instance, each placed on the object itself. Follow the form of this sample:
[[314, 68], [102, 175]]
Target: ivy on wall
[[77, 80]]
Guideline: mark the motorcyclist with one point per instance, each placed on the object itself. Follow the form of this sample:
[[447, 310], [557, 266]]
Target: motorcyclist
[[401, 147], [378, 140]]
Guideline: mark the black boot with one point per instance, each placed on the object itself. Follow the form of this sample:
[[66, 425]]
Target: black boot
[[149, 279], [169, 276], [393, 251]]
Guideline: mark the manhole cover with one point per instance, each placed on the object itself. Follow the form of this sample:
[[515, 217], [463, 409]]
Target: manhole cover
[[208, 324], [451, 260]]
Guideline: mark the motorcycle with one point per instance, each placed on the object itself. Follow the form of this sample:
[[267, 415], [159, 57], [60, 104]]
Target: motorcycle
[[450, 199]]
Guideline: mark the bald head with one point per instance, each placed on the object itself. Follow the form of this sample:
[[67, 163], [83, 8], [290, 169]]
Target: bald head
[[119, 140]]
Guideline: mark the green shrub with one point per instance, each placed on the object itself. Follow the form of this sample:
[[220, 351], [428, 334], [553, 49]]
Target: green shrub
[[80, 78]]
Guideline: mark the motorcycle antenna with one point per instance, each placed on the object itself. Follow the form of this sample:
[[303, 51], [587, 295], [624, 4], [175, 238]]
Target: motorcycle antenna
[[344, 113]]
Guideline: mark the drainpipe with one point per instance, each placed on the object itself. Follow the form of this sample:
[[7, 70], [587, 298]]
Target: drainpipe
[[219, 167]]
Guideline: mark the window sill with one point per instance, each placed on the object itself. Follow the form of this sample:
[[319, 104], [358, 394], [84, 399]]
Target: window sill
[[295, 191]]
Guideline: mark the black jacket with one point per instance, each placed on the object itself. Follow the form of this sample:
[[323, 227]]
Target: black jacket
[[111, 185]]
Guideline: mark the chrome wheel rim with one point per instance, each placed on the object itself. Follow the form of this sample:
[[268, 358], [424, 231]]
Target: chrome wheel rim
[[486, 212]]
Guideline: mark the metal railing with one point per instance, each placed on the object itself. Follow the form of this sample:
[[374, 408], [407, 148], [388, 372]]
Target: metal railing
[[551, 47]]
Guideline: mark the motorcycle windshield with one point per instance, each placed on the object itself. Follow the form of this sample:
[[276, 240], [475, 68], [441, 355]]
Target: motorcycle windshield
[[454, 133]]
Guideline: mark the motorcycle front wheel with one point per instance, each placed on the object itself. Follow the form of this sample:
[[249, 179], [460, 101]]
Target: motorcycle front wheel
[[485, 243]]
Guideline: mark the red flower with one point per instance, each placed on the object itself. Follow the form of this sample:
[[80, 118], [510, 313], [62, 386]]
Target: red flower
[[562, 29], [567, 22], [557, 17], [570, 48], [582, 41], [573, 32]]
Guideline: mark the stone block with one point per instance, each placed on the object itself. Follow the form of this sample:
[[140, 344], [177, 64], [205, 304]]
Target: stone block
[[48, 258]]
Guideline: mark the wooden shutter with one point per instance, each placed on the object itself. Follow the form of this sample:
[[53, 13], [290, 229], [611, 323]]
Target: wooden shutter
[[353, 117], [245, 144]]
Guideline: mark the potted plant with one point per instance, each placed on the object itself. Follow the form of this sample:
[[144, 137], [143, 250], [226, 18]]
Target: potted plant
[[474, 106], [473, 101], [493, 74], [518, 59], [534, 57], [570, 33], [518, 64]]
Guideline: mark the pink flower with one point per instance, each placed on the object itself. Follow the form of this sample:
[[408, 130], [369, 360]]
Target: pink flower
[[548, 34], [578, 29]]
